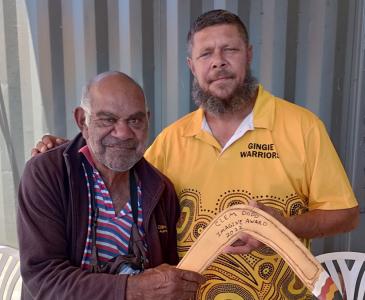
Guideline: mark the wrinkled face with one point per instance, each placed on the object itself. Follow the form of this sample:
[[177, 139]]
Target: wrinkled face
[[219, 60], [117, 125]]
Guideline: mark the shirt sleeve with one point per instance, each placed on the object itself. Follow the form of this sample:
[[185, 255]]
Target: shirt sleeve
[[329, 187]]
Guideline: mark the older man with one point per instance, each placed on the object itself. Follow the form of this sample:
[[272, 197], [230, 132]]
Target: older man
[[245, 145], [93, 212]]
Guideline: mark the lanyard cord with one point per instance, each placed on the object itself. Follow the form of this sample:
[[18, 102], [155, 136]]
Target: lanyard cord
[[133, 195], [94, 212]]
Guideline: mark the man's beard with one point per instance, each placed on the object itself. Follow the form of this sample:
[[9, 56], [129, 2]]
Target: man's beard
[[118, 155], [240, 96]]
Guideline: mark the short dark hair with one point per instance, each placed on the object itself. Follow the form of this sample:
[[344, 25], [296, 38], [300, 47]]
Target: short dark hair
[[216, 17]]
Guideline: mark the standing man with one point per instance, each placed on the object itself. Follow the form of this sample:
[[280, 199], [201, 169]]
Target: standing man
[[93, 212], [244, 145]]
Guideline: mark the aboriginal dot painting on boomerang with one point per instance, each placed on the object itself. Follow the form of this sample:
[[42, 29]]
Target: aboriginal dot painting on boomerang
[[224, 228]]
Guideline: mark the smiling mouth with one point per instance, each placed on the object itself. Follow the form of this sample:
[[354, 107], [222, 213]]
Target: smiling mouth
[[123, 148]]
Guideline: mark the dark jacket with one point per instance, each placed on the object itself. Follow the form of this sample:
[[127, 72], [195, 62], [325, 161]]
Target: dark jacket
[[53, 219]]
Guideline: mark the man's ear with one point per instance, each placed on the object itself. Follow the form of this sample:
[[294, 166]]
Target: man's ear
[[189, 61], [80, 118], [249, 54]]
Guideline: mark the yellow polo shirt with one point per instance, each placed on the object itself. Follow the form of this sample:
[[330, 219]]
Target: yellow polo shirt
[[285, 161]]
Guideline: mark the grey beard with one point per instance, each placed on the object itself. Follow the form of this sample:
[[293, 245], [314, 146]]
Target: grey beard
[[216, 105]]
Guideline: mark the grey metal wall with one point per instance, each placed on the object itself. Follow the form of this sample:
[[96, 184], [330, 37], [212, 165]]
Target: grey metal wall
[[308, 51]]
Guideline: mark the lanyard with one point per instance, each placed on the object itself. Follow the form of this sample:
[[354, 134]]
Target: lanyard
[[133, 195]]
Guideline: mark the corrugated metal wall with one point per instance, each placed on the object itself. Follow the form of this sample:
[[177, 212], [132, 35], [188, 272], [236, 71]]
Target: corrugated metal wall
[[308, 51]]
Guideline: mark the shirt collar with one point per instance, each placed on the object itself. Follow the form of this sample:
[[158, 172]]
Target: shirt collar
[[194, 127], [86, 152], [264, 109]]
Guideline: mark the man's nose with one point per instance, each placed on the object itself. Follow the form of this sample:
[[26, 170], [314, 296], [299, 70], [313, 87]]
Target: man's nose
[[122, 130], [218, 60]]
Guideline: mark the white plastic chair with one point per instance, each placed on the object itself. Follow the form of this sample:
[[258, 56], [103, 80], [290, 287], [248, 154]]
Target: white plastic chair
[[350, 266], [10, 280]]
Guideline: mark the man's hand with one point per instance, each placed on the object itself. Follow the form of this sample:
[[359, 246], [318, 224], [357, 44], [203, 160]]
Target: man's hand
[[164, 282], [48, 142], [311, 224], [245, 242], [243, 245]]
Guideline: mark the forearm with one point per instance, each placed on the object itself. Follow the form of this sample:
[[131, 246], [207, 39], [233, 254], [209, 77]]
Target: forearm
[[49, 260], [48, 273], [320, 223], [63, 281], [313, 224]]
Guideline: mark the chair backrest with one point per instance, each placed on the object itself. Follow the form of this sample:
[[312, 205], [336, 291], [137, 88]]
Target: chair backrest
[[9, 273], [347, 270]]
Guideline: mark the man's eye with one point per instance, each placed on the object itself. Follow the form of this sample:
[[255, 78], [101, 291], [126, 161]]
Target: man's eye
[[106, 122], [204, 54], [134, 121], [230, 49]]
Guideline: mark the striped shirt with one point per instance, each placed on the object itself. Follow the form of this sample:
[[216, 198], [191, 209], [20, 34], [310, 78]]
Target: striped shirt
[[113, 229]]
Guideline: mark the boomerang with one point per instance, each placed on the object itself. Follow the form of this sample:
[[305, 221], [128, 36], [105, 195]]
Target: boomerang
[[224, 229]]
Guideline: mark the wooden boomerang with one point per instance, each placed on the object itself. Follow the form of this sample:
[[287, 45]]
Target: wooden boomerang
[[223, 230]]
